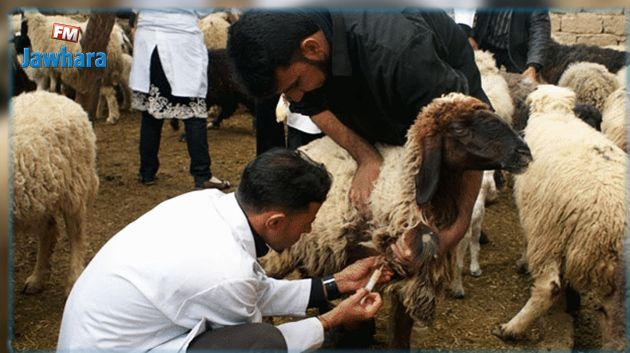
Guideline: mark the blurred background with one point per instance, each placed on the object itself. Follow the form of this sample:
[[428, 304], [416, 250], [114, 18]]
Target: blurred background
[[7, 7]]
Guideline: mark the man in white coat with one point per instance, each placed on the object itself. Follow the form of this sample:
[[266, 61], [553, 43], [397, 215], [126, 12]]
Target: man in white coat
[[185, 275]]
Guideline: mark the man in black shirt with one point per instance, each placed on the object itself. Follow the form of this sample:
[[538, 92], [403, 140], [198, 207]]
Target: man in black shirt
[[362, 76]]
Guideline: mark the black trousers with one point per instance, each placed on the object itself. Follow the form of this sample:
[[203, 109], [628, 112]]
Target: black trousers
[[258, 336], [269, 133], [151, 132]]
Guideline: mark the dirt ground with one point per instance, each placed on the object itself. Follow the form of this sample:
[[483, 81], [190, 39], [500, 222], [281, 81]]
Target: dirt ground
[[460, 323]]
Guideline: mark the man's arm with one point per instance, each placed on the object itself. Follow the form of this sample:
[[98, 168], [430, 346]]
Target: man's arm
[[367, 157], [539, 37]]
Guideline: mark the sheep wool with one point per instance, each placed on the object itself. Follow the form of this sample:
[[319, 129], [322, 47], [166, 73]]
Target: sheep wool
[[494, 85], [571, 203], [591, 82], [614, 123], [54, 174]]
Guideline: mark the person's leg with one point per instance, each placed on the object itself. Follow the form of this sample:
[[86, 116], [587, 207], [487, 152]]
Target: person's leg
[[197, 140], [256, 336], [150, 135]]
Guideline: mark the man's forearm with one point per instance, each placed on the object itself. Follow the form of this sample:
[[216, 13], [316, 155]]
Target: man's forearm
[[361, 150], [450, 237]]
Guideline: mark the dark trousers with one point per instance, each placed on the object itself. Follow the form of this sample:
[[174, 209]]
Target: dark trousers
[[269, 133], [196, 138], [297, 138], [258, 336]]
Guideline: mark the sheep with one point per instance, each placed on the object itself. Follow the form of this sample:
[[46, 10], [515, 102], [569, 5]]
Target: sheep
[[591, 82], [215, 30], [38, 31], [494, 85], [558, 57], [223, 89], [621, 76], [54, 175], [471, 239], [417, 186], [571, 203], [614, 118], [519, 89]]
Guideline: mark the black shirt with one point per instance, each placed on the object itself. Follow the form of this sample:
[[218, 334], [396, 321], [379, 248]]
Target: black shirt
[[386, 66]]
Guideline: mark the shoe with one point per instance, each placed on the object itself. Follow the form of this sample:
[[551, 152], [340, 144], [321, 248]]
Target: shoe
[[213, 183], [147, 181]]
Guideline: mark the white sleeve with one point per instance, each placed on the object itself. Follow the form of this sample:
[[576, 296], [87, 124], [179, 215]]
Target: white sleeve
[[303, 335], [284, 297], [464, 16]]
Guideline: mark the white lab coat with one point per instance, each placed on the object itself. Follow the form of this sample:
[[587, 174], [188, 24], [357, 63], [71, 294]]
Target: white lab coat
[[188, 264], [180, 45]]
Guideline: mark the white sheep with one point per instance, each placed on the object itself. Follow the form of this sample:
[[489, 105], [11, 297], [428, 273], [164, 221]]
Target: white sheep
[[470, 241], [494, 85], [39, 29], [418, 184], [614, 121], [54, 175], [215, 30], [591, 82], [571, 203]]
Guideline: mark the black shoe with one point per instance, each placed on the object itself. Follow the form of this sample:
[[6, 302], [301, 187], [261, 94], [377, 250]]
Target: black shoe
[[208, 184], [147, 181], [483, 238]]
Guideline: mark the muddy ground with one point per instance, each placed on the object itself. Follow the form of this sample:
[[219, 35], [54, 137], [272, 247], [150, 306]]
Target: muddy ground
[[460, 323]]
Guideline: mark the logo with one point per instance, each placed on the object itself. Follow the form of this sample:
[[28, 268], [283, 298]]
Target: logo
[[64, 59], [66, 32]]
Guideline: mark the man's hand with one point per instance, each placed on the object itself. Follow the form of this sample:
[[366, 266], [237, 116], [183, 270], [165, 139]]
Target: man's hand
[[363, 184], [361, 306], [473, 43], [530, 73], [358, 274]]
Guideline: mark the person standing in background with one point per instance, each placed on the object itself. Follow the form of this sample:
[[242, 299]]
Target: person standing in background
[[169, 81]]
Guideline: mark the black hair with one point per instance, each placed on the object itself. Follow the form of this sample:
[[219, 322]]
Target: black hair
[[264, 40], [282, 179]]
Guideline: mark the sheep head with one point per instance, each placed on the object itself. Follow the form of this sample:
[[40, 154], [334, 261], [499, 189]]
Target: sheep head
[[547, 98], [456, 133]]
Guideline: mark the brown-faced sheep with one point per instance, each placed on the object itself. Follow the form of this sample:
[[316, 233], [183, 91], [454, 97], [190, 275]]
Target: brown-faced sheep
[[419, 184], [54, 175], [571, 203]]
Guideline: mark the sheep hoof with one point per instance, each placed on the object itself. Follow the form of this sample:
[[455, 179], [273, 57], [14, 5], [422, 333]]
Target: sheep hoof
[[32, 286], [501, 332], [112, 121], [458, 293], [522, 267], [476, 273]]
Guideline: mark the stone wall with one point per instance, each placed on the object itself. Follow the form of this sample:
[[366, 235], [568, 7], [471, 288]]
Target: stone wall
[[589, 26]]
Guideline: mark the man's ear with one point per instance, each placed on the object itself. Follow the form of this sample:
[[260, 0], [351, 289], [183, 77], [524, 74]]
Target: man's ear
[[313, 46], [275, 221]]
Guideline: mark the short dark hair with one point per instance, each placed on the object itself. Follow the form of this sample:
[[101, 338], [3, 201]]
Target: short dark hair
[[264, 40], [282, 179]]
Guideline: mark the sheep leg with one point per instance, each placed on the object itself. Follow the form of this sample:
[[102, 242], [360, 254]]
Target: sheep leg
[[457, 287], [475, 269], [112, 104], [47, 239], [227, 110], [100, 106], [75, 228], [521, 264], [545, 291], [613, 322], [401, 323]]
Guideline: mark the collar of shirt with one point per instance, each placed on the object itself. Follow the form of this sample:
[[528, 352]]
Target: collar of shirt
[[227, 206], [334, 28]]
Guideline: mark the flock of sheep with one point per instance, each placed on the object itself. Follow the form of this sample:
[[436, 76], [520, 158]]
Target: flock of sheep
[[569, 183]]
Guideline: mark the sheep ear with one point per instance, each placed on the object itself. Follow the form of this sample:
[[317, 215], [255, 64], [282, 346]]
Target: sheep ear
[[429, 172]]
